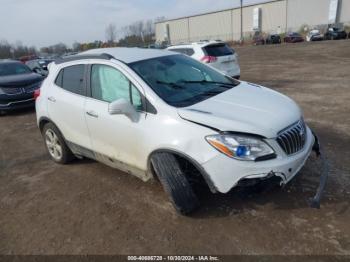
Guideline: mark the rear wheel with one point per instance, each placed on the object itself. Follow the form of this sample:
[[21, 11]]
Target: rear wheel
[[175, 182], [2, 113], [55, 145]]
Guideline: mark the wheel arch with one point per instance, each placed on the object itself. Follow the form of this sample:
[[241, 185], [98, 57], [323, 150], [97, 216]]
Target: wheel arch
[[188, 158], [45, 120]]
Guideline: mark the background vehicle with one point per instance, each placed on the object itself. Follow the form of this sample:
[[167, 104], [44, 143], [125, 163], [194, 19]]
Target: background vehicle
[[314, 35], [39, 65], [293, 38], [334, 33], [258, 39], [273, 39], [213, 53], [17, 85], [210, 127]]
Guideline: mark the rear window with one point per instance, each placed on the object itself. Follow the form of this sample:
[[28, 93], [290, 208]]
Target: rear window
[[218, 50], [72, 79], [7, 69]]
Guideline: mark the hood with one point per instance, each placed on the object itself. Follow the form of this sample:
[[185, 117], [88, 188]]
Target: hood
[[20, 80], [246, 108]]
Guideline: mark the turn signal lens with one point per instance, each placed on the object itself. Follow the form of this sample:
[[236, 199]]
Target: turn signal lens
[[221, 147]]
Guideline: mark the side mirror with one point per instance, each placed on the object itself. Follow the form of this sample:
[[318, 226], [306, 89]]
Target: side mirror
[[123, 107]]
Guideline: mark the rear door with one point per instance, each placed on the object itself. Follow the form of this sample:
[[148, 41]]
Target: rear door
[[66, 104], [226, 59]]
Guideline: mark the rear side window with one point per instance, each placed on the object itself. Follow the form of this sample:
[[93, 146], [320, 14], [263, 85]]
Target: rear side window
[[71, 78], [218, 50], [185, 51]]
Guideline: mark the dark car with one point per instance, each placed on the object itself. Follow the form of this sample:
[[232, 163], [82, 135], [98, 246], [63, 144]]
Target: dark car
[[17, 85], [334, 33], [293, 38], [258, 40], [39, 66], [273, 39]]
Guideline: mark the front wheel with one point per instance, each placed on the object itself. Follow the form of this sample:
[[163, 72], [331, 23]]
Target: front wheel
[[55, 145], [174, 182]]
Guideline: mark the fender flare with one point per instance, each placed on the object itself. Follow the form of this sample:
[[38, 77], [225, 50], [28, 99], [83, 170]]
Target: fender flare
[[200, 169]]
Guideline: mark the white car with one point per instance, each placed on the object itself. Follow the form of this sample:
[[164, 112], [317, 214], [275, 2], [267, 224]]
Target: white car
[[216, 54], [159, 114], [314, 35]]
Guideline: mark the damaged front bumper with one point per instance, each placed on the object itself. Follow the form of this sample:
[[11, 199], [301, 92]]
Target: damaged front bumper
[[318, 149], [225, 173]]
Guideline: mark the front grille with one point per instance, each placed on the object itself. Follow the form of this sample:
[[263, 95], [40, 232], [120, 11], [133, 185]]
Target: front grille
[[292, 139], [11, 90]]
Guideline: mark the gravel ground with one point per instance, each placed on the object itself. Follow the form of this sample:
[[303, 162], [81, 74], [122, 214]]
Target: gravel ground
[[88, 208]]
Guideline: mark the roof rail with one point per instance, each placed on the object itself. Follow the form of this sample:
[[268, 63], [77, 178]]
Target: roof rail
[[82, 57]]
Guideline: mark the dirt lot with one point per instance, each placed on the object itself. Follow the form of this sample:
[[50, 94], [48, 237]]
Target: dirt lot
[[88, 208]]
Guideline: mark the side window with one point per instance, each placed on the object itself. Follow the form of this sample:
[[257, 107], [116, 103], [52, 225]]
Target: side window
[[179, 50], [71, 78], [109, 84], [59, 79], [189, 51]]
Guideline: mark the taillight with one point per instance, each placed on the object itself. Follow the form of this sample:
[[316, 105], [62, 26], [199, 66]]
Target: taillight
[[36, 93], [208, 59]]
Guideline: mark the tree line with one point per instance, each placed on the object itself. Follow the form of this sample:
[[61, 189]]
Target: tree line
[[138, 34]]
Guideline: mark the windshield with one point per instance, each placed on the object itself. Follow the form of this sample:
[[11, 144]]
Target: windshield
[[13, 69], [182, 81]]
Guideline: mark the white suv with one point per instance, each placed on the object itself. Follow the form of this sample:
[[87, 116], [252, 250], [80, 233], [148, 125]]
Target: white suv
[[159, 114], [214, 53]]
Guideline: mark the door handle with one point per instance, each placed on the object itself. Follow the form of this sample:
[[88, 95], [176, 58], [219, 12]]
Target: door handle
[[92, 113], [51, 98]]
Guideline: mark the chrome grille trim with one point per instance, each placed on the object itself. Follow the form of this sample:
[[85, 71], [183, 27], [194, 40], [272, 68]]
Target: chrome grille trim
[[292, 139], [12, 90]]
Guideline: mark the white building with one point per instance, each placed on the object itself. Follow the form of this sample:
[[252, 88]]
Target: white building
[[274, 16]]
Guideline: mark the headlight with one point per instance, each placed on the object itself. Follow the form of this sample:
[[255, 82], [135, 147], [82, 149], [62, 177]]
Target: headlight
[[240, 146]]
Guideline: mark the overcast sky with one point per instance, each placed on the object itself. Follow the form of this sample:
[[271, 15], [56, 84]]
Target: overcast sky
[[47, 22]]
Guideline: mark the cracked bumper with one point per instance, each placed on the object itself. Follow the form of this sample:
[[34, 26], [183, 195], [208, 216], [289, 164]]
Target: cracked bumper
[[225, 172]]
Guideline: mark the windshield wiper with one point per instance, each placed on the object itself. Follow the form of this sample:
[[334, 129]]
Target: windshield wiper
[[209, 82], [172, 85]]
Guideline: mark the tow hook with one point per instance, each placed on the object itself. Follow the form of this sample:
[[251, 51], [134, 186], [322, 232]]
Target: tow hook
[[315, 201]]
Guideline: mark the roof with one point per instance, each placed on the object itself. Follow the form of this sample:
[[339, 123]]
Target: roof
[[129, 55], [200, 43]]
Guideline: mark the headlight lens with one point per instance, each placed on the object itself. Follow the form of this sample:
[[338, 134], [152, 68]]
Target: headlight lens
[[240, 147]]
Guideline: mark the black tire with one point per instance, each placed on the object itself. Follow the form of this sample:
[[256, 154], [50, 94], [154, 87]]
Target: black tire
[[174, 182], [2, 113], [66, 155]]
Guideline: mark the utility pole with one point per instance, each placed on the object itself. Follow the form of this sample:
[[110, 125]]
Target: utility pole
[[241, 21]]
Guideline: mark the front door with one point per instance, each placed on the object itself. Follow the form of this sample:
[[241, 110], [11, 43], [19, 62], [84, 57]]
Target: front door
[[116, 139]]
